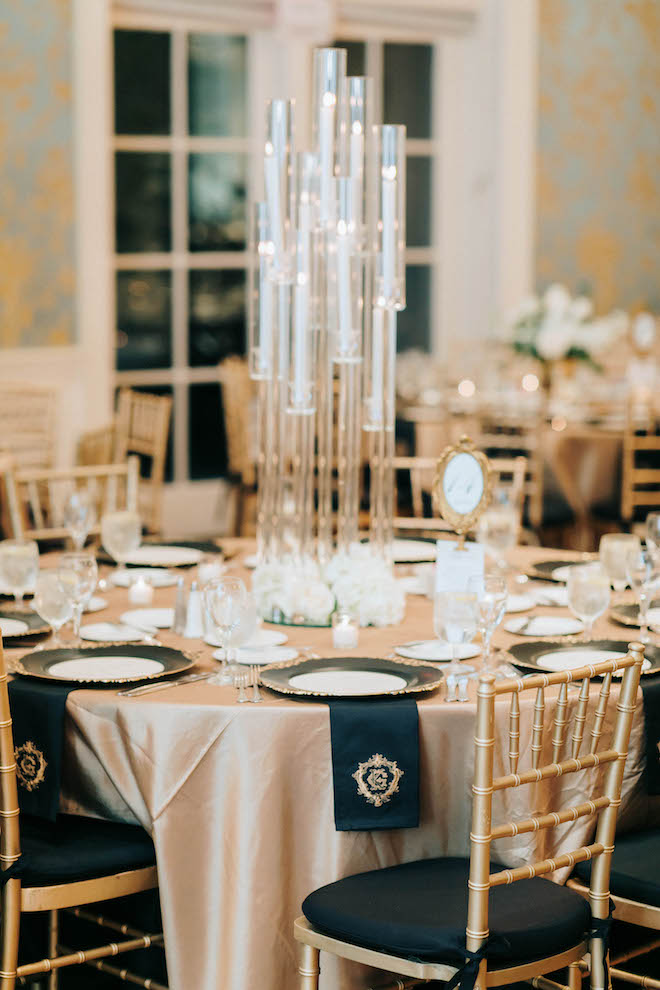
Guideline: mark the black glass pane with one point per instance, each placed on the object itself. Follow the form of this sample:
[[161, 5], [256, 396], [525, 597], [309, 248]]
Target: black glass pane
[[206, 433], [145, 462], [419, 208], [217, 85], [142, 182], [217, 315], [144, 320], [414, 322], [408, 72], [142, 82], [217, 192], [355, 56]]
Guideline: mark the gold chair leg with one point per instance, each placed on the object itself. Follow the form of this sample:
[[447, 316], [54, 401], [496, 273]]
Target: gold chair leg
[[574, 977], [309, 967], [53, 936], [10, 923]]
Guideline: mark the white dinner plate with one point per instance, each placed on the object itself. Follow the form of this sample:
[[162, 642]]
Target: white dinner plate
[[13, 627], [544, 625], [110, 632], [549, 594], [261, 655], [161, 618], [105, 668], [654, 618], [350, 683], [250, 561], [434, 650], [561, 573], [162, 556], [579, 657], [96, 604], [409, 551], [155, 576], [260, 637], [519, 603]]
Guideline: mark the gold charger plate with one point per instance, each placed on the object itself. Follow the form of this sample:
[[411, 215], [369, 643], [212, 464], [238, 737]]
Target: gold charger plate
[[417, 675], [39, 662], [35, 624]]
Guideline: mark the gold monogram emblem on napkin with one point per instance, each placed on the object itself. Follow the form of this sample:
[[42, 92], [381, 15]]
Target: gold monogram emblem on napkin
[[378, 779], [30, 765]]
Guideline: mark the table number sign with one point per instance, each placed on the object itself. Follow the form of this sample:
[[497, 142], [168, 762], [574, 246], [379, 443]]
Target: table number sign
[[456, 565], [461, 487]]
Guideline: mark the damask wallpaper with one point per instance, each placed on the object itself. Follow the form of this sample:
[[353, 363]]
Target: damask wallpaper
[[36, 175], [598, 188]]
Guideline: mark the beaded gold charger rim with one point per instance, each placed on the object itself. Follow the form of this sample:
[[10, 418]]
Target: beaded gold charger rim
[[541, 570], [624, 619], [431, 685], [541, 646], [16, 665]]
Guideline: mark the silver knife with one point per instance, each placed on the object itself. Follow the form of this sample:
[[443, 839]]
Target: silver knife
[[163, 685]]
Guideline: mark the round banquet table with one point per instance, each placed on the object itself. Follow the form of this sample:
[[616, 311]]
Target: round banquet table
[[239, 798]]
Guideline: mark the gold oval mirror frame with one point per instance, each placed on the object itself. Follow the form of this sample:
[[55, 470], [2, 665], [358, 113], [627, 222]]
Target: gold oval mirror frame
[[461, 487]]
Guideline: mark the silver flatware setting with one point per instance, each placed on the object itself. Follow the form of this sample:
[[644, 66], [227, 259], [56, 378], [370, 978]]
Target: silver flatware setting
[[137, 692]]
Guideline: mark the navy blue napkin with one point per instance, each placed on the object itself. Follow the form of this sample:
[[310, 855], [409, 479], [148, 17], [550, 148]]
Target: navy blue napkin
[[375, 763], [37, 712], [651, 695]]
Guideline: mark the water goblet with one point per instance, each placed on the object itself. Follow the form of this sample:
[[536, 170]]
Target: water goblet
[[455, 618], [79, 516], [19, 566], [588, 589], [641, 570], [498, 526], [653, 536], [52, 603], [491, 595], [121, 535], [613, 551], [226, 601], [77, 574]]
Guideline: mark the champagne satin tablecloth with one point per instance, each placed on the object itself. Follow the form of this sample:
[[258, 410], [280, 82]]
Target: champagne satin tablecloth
[[238, 799]]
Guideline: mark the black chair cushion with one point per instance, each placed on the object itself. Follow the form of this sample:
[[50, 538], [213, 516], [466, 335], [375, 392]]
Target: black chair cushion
[[635, 872], [556, 512], [419, 911], [76, 848]]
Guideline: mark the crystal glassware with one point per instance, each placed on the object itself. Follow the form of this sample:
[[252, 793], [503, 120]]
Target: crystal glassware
[[653, 535], [226, 601], [121, 535], [491, 595], [642, 577], [19, 566], [588, 589], [53, 603], [79, 516], [455, 619], [613, 551], [77, 574], [498, 526]]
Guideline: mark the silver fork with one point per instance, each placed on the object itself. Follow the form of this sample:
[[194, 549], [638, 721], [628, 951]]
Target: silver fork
[[242, 681], [254, 677], [451, 687]]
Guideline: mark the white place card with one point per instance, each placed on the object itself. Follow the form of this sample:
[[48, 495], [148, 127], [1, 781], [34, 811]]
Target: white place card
[[454, 567]]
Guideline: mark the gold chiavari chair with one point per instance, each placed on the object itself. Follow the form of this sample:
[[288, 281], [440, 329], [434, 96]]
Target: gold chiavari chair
[[431, 920], [640, 483], [50, 867], [141, 428], [239, 410], [28, 422], [35, 499]]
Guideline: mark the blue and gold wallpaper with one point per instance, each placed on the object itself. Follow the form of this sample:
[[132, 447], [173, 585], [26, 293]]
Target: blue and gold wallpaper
[[36, 174], [598, 182]]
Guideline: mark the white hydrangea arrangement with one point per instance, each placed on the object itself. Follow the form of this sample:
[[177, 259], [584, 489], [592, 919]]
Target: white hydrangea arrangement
[[307, 594], [556, 326]]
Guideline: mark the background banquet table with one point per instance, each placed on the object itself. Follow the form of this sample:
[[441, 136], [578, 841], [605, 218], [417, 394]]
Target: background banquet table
[[238, 799]]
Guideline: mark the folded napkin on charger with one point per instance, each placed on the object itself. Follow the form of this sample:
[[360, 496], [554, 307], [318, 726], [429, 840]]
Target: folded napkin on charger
[[38, 724], [375, 763]]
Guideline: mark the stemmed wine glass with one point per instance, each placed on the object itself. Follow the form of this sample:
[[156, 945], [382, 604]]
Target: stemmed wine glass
[[19, 566], [588, 589], [613, 551], [226, 602], [53, 603], [491, 595], [641, 570], [77, 574], [498, 526], [653, 536], [79, 516], [455, 618], [121, 535]]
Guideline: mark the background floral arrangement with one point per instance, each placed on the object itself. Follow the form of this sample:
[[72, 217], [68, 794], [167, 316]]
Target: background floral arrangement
[[306, 593], [556, 326]]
